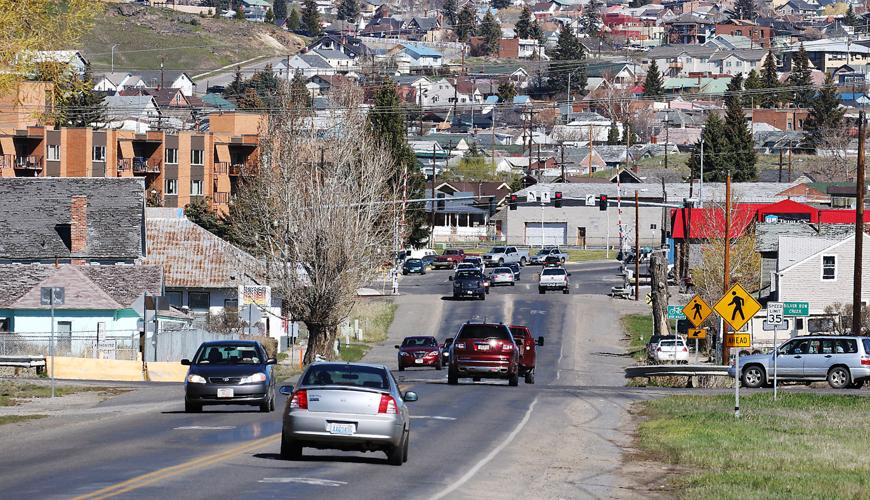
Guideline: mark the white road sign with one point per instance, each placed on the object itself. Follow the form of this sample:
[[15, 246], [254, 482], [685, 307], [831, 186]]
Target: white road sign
[[775, 313]]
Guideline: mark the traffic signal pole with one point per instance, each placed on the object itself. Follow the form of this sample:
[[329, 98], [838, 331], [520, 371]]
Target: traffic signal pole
[[859, 230], [636, 247]]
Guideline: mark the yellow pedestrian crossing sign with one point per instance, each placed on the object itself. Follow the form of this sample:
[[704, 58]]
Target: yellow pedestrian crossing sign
[[737, 307], [697, 311]]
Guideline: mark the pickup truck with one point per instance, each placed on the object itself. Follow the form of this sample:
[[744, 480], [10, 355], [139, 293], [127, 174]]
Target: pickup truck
[[554, 278], [542, 254], [506, 255], [449, 259]]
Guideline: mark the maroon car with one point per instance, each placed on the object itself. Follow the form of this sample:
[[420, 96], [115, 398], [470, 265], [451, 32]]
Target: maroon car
[[528, 354], [419, 351], [484, 350]]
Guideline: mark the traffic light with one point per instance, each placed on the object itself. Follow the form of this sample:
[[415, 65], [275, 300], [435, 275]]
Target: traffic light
[[557, 199], [512, 204], [602, 202]]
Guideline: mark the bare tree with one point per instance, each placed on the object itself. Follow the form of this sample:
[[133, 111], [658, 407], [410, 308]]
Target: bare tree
[[319, 211], [834, 152]]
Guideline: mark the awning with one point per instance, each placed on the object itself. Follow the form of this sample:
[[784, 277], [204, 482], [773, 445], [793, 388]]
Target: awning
[[127, 150], [223, 153], [8, 145]]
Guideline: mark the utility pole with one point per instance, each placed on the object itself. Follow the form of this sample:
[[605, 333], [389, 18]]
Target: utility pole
[[701, 182], [779, 176], [789, 162], [162, 58], [726, 283], [636, 247], [492, 138], [590, 150], [667, 132], [434, 177], [562, 163], [859, 229]]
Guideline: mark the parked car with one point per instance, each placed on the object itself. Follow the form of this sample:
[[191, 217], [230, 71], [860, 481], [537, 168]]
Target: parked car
[[506, 255], [515, 267], [843, 361], [554, 278], [652, 344], [413, 266], [476, 261], [545, 252], [502, 276], [672, 349], [233, 372], [484, 350], [419, 351], [526, 344], [469, 283], [449, 259], [347, 406]]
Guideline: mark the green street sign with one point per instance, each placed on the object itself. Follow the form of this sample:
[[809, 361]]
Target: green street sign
[[798, 309], [676, 312]]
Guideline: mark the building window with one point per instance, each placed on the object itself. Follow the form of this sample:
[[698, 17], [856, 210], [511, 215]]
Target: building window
[[198, 301], [171, 186], [196, 188], [171, 155], [196, 156], [53, 153], [99, 153], [232, 304], [829, 267], [175, 299]]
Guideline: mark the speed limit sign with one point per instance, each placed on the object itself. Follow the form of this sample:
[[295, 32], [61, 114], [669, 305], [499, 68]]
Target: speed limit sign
[[774, 313]]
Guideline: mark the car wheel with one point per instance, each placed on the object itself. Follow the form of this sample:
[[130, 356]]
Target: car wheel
[[272, 402], [264, 407], [395, 454], [405, 450], [438, 365], [192, 407], [422, 273], [839, 377], [523, 261], [514, 380], [566, 291], [541, 291], [512, 283], [401, 368], [475, 379], [404, 273], [452, 377], [753, 376], [290, 449], [483, 297], [530, 377]]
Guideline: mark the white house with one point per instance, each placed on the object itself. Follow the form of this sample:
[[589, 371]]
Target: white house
[[420, 57], [310, 64], [73, 58], [116, 82]]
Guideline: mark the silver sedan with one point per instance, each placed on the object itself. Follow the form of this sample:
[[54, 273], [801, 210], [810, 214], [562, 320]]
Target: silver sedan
[[502, 276], [347, 406]]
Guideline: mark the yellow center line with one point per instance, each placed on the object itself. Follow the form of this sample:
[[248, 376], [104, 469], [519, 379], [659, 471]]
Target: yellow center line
[[176, 470]]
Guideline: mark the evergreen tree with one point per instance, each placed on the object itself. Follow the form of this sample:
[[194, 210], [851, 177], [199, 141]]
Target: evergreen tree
[[850, 19], [654, 84], [524, 24], [294, 22], [613, 134], [299, 95], [280, 8], [237, 87], [801, 76], [250, 100], [500, 4], [745, 9], [310, 18], [568, 48], [715, 146], [269, 17], [634, 4], [825, 117], [348, 10], [739, 157], [240, 13], [591, 18], [449, 12], [490, 31], [628, 136], [466, 24], [77, 103], [770, 82], [200, 213], [753, 82], [506, 91], [389, 126], [535, 32]]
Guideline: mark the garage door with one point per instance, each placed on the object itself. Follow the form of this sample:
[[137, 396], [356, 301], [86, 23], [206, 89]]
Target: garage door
[[554, 233]]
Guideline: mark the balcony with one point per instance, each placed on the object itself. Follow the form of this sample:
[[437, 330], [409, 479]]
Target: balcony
[[146, 166], [221, 167], [248, 166], [221, 198], [7, 161], [28, 162]]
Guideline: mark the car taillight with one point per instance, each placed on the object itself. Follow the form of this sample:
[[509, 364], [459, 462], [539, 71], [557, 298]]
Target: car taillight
[[388, 405], [685, 349], [865, 360], [300, 400]]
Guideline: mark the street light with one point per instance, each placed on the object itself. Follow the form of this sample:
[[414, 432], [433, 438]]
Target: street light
[[113, 57]]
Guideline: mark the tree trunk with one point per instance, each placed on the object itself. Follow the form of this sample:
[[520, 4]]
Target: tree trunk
[[658, 271], [321, 339]]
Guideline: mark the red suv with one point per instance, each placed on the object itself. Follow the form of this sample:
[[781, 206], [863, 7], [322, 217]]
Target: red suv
[[419, 351], [528, 354], [484, 350]]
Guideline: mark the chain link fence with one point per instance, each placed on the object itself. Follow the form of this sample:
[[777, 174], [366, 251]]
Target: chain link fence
[[124, 347]]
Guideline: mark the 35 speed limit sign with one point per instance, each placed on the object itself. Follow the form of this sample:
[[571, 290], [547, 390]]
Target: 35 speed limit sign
[[775, 313]]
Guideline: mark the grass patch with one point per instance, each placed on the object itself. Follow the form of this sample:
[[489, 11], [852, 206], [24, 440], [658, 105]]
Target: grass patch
[[14, 419], [11, 392], [283, 372], [639, 329], [375, 317], [587, 255], [353, 352], [802, 446]]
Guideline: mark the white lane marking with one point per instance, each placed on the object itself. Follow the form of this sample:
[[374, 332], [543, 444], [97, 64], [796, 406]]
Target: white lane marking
[[433, 417], [492, 454], [528, 286], [313, 481], [537, 311], [577, 286], [559, 361], [205, 428]]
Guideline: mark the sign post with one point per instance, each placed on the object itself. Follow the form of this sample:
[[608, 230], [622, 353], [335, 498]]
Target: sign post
[[52, 296], [675, 313], [736, 308], [775, 317], [697, 311]]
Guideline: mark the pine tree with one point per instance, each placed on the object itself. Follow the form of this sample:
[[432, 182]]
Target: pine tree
[[348, 10], [770, 82], [745, 9], [237, 87], [825, 117], [591, 18], [490, 31], [524, 24], [628, 136], [753, 82], [250, 100], [654, 84], [850, 19], [500, 4], [269, 17], [78, 105], [613, 134], [449, 12], [740, 153], [568, 48], [300, 98], [310, 18], [200, 213], [506, 91], [634, 4], [535, 32], [715, 146], [389, 127], [294, 22], [466, 24], [801, 77], [280, 8]]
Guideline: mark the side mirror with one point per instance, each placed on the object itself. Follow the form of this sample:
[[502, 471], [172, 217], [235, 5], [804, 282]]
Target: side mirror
[[271, 361], [286, 390], [569, 274], [397, 346], [541, 341], [185, 362], [410, 397], [450, 278]]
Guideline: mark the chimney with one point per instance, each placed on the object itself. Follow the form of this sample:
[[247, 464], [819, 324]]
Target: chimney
[[78, 228]]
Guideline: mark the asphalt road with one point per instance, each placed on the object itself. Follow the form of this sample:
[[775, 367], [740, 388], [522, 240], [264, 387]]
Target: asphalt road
[[560, 438]]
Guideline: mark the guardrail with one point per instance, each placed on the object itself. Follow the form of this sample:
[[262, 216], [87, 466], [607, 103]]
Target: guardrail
[[23, 361], [676, 371]]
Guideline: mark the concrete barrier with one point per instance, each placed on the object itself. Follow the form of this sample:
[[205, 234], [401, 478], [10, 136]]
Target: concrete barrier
[[95, 369], [166, 371]]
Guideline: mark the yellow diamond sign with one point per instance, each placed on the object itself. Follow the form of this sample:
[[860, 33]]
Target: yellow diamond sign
[[697, 310], [737, 307]]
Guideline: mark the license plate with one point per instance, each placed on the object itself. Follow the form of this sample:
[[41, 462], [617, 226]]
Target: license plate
[[342, 429], [225, 393], [483, 347], [418, 361]]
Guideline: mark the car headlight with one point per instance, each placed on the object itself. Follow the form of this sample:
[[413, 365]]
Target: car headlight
[[403, 354], [253, 379], [195, 379]]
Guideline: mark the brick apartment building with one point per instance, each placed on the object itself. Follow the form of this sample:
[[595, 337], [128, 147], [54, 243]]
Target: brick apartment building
[[177, 166]]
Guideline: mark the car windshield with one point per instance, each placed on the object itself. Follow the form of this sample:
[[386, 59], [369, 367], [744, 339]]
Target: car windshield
[[497, 250], [227, 354], [503, 270], [451, 252], [419, 342], [467, 274], [413, 261], [484, 332], [518, 332], [543, 252], [553, 272], [346, 375], [472, 260], [465, 265]]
